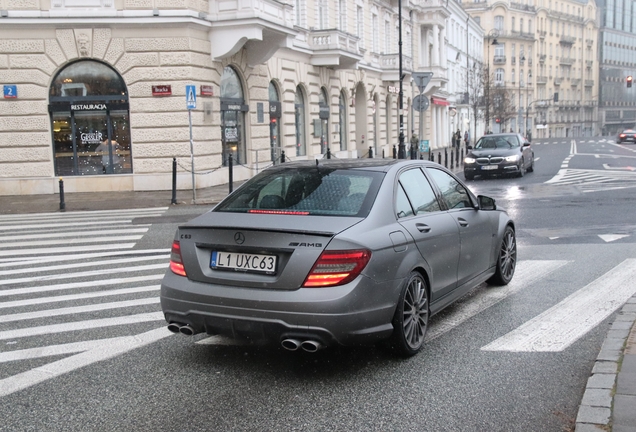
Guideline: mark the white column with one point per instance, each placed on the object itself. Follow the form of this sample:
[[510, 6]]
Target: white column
[[442, 44], [436, 45]]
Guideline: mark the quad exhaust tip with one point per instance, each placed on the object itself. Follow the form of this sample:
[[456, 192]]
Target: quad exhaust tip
[[185, 329], [308, 345]]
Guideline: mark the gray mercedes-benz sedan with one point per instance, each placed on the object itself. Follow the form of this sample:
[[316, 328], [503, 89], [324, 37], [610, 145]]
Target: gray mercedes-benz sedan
[[316, 253]]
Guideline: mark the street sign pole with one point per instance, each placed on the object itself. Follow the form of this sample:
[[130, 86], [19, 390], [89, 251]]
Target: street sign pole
[[191, 103], [421, 80]]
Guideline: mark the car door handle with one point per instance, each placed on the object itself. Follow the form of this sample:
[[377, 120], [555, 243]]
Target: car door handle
[[462, 222], [422, 227]]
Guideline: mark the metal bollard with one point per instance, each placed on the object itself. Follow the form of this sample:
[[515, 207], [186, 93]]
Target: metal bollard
[[174, 181], [231, 172], [282, 156], [439, 158], [394, 152], [62, 203], [452, 165], [328, 153], [462, 159], [445, 157], [370, 152]]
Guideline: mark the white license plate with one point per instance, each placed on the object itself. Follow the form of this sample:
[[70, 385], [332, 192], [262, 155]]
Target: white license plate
[[243, 261], [490, 167]]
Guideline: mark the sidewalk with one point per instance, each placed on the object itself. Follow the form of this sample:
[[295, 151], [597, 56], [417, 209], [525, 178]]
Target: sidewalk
[[17, 204]]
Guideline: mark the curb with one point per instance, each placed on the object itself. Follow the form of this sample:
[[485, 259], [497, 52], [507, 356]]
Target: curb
[[603, 394]]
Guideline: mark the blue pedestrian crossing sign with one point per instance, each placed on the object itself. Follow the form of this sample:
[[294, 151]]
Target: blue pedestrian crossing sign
[[191, 97]]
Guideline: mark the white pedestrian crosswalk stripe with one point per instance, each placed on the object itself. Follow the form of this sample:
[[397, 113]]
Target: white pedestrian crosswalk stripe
[[563, 324], [594, 180], [89, 258]]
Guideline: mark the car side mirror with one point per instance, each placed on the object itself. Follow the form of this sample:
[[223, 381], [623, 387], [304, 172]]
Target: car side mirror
[[486, 203], [526, 144], [469, 147]]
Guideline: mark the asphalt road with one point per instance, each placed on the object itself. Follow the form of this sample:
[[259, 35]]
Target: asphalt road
[[514, 358]]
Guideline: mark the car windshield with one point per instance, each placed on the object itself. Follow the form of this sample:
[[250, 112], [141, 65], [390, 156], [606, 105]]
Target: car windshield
[[306, 191], [496, 142]]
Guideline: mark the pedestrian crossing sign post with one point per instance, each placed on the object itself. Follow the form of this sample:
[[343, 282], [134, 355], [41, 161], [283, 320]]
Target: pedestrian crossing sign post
[[191, 97], [191, 103]]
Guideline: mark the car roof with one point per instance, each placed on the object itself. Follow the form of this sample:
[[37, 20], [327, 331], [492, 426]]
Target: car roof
[[500, 135], [362, 163], [628, 130]]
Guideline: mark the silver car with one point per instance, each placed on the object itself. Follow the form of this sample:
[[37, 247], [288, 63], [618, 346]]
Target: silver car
[[316, 253]]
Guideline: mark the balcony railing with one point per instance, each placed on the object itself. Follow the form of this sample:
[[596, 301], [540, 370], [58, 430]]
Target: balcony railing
[[513, 60], [589, 63], [542, 33], [334, 48], [499, 59], [566, 61], [589, 42], [567, 39], [542, 57], [558, 81], [542, 79], [589, 83], [523, 7], [392, 61], [575, 81]]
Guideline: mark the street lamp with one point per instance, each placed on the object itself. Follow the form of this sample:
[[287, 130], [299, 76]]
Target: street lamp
[[520, 115], [492, 34], [528, 105], [401, 146]]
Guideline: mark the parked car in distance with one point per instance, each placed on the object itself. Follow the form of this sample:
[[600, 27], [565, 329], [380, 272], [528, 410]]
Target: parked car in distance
[[628, 135], [310, 254], [497, 154]]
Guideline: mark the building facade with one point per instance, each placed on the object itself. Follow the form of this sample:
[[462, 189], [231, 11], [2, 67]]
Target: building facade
[[107, 93], [617, 46], [544, 57]]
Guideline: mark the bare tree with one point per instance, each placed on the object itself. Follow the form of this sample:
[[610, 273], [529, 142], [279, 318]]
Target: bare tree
[[503, 105], [475, 93]]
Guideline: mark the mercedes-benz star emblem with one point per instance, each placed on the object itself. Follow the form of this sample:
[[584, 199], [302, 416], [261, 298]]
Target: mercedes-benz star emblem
[[239, 238]]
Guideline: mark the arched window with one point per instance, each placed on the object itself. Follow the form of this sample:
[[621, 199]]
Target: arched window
[[90, 120], [299, 116], [342, 118], [233, 108], [274, 122]]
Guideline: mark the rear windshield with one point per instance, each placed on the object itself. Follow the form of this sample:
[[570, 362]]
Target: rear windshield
[[306, 191], [498, 142]]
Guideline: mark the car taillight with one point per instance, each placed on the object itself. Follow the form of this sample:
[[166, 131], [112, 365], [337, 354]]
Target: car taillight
[[622, 135], [176, 263], [337, 268]]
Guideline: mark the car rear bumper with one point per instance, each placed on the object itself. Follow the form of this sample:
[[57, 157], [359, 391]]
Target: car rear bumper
[[338, 315]]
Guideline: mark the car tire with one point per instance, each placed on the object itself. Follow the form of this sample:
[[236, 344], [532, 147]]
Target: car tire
[[469, 177], [410, 320], [522, 169], [506, 259], [531, 167]]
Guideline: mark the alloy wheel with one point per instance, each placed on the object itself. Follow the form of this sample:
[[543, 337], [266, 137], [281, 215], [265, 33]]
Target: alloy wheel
[[508, 255], [415, 308]]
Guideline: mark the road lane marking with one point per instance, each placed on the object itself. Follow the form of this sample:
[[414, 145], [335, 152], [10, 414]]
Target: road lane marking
[[12, 262], [77, 309], [83, 214], [138, 229], [61, 250], [612, 237], [99, 353], [77, 265], [81, 325], [71, 241], [564, 323], [74, 285], [55, 350], [70, 297], [526, 274], [100, 272]]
